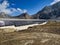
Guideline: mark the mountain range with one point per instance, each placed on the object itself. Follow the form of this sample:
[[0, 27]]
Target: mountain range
[[48, 12]]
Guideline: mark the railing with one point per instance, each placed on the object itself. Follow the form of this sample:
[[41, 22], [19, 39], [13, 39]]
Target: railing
[[13, 19], [8, 19]]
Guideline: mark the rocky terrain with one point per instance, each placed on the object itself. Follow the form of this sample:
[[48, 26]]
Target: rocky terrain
[[48, 34], [23, 16], [49, 12]]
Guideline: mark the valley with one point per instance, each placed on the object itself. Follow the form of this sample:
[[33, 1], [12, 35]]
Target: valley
[[40, 28]]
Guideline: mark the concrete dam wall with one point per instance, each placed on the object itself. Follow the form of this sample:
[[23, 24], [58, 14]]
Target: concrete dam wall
[[19, 23]]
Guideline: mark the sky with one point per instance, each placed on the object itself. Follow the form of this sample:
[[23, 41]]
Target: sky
[[17, 7]]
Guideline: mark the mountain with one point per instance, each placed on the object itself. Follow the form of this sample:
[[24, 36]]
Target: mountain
[[3, 15], [49, 12], [23, 16]]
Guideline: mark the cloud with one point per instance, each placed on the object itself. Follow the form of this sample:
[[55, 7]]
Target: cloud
[[22, 11], [19, 9], [4, 8], [55, 1]]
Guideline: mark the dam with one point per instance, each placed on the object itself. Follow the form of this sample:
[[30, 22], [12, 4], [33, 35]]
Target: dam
[[11, 25], [20, 22]]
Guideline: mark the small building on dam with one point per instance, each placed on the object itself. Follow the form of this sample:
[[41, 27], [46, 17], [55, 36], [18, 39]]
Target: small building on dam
[[2, 23]]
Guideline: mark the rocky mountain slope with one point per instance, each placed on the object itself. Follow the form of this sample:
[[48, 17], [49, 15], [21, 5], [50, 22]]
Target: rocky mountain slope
[[23, 16], [49, 12], [3, 15]]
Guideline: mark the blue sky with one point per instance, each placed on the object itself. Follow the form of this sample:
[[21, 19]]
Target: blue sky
[[16, 7]]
